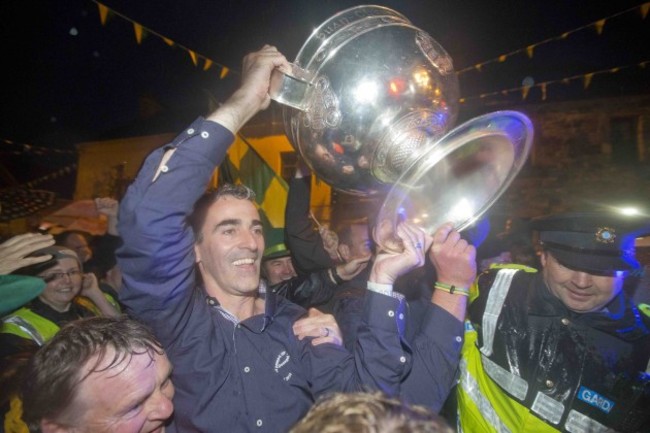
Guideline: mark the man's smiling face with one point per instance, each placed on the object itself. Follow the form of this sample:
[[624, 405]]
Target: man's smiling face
[[231, 247]]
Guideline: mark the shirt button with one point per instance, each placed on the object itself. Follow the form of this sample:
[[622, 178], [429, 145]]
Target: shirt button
[[549, 383], [402, 359], [238, 326], [258, 423], [205, 134], [401, 316], [190, 131], [391, 313], [164, 169], [565, 321], [458, 339], [247, 369]]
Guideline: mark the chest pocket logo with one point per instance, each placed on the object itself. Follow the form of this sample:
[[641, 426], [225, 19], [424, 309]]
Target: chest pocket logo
[[594, 399], [282, 360]]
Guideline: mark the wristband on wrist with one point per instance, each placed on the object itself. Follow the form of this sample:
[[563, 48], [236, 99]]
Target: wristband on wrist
[[334, 276], [452, 289]]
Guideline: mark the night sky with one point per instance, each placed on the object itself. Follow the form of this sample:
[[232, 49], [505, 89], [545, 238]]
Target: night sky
[[69, 79]]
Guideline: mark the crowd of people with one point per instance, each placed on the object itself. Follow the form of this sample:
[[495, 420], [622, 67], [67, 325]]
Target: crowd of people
[[187, 316]]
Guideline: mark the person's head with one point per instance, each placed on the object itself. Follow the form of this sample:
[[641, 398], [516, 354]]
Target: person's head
[[63, 276], [103, 263], [77, 241], [99, 375], [276, 262], [368, 413], [229, 240], [586, 256], [354, 240]]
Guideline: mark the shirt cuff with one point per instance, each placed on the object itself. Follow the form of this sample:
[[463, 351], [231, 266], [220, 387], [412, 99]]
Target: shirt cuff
[[384, 289]]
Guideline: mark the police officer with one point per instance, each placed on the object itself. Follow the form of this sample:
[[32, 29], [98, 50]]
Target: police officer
[[563, 349]]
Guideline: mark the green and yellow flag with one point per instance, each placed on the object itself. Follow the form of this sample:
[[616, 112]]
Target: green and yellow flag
[[244, 165]]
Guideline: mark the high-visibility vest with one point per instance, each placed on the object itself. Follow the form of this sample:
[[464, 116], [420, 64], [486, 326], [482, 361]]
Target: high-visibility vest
[[26, 324]]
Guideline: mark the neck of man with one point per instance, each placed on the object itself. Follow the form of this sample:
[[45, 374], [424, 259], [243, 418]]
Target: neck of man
[[242, 306]]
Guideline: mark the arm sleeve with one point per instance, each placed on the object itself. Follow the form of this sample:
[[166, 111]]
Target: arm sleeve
[[436, 353], [303, 240], [308, 291], [157, 256], [380, 361]]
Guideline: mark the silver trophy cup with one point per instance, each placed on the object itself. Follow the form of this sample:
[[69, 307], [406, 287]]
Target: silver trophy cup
[[370, 105]]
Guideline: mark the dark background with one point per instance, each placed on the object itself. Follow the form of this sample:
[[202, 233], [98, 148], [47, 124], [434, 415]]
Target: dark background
[[68, 79]]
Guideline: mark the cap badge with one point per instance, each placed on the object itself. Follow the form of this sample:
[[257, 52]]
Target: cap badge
[[605, 235]]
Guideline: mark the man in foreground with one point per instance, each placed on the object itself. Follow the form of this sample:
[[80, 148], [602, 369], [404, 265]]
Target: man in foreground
[[99, 375], [238, 367]]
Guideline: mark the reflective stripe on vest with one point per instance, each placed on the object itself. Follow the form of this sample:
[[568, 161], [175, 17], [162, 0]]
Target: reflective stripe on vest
[[547, 408], [512, 383], [27, 328], [471, 388], [496, 298], [579, 423]]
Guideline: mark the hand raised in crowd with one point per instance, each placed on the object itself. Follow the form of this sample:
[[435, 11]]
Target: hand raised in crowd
[[14, 251], [253, 94], [90, 285], [319, 325], [389, 266], [351, 269], [453, 257], [107, 206], [110, 207]]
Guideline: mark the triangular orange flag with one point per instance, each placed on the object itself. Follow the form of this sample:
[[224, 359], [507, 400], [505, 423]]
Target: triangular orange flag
[[478, 67], [645, 7], [502, 58], [587, 80], [224, 72], [138, 32], [615, 70], [524, 92], [461, 100], [599, 26], [529, 51], [207, 64], [193, 56], [103, 13], [168, 41]]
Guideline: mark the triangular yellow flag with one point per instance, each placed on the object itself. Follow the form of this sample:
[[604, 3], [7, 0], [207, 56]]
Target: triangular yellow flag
[[587, 80], [529, 51], [645, 7], [524, 92], [207, 64], [565, 35], [565, 81], [599, 26], [461, 100], [168, 41], [138, 32], [193, 56], [103, 13], [502, 58], [224, 72], [543, 86], [478, 67], [615, 70]]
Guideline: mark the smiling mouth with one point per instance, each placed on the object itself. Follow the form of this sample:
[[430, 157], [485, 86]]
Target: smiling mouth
[[243, 262]]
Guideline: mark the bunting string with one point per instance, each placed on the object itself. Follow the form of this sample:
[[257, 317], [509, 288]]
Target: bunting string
[[54, 175], [141, 32], [585, 78], [529, 50], [36, 150]]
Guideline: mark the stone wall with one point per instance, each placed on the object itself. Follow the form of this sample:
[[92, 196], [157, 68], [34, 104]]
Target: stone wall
[[580, 160]]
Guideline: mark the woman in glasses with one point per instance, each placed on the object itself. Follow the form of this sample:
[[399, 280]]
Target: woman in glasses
[[69, 294]]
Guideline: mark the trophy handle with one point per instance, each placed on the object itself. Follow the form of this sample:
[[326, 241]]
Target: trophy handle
[[293, 89]]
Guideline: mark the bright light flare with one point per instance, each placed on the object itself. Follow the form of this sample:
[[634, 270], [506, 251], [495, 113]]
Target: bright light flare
[[366, 92]]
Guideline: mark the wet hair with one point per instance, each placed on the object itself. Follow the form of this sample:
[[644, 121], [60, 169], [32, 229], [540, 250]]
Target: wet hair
[[344, 231], [55, 372], [368, 413], [196, 219]]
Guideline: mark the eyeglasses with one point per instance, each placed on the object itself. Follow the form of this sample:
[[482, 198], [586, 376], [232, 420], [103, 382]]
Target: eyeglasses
[[57, 276]]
